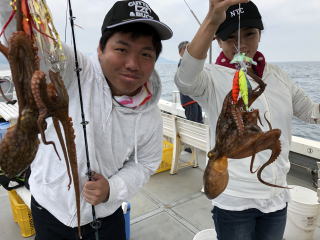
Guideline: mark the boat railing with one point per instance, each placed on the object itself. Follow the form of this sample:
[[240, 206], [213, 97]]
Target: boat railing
[[182, 131]]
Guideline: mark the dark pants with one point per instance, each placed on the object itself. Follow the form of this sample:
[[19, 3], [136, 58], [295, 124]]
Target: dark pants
[[193, 112], [49, 228], [250, 224]]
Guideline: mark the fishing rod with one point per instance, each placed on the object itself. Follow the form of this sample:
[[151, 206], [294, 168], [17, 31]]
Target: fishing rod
[[95, 224], [197, 19]]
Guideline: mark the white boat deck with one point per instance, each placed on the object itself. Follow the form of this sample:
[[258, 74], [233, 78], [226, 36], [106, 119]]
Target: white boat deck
[[169, 207]]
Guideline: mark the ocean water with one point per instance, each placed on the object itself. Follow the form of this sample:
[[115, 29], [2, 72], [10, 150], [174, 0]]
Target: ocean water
[[305, 74]]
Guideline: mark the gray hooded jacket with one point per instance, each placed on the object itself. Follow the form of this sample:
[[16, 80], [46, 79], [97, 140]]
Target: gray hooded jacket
[[124, 145]]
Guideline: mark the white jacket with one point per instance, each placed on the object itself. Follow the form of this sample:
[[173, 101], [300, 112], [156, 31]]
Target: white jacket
[[117, 137], [281, 100]]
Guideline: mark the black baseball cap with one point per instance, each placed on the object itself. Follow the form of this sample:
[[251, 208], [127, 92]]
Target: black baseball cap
[[126, 12], [249, 17]]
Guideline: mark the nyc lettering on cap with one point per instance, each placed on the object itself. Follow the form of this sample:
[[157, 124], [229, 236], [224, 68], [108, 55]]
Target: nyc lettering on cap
[[249, 17]]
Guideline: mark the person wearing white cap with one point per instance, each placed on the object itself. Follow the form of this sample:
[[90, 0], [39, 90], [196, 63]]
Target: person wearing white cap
[[120, 94], [247, 209]]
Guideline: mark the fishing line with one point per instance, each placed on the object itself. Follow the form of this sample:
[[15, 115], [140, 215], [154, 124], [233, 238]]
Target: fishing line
[[240, 81], [238, 45], [95, 224], [239, 28]]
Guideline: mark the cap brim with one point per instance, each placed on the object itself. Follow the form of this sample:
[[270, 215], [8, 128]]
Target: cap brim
[[162, 29], [253, 23]]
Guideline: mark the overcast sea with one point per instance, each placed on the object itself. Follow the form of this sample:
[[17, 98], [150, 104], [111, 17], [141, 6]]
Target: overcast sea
[[305, 74]]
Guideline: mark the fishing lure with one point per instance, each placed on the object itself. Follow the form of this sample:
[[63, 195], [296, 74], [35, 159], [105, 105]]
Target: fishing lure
[[46, 34], [243, 87], [241, 59], [240, 81], [37, 22], [235, 88]]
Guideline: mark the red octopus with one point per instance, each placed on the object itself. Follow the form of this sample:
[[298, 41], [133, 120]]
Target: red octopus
[[239, 136]]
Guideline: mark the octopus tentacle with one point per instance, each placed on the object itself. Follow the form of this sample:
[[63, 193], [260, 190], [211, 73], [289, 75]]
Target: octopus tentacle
[[275, 153], [58, 104], [61, 140], [71, 147], [38, 86], [269, 124], [251, 164], [236, 114]]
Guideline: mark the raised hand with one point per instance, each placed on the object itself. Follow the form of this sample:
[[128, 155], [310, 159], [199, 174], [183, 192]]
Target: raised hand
[[218, 8], [206, 34]]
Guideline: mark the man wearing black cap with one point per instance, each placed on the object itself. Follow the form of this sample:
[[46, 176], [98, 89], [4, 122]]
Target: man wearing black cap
[[120, 94], [247, 209]]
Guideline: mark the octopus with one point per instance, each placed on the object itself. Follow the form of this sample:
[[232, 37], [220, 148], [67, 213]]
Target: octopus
[[37, 100], [239, 136], [20, 144]]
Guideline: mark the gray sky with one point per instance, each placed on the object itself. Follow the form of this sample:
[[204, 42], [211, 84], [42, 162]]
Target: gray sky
[[292, 27]]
